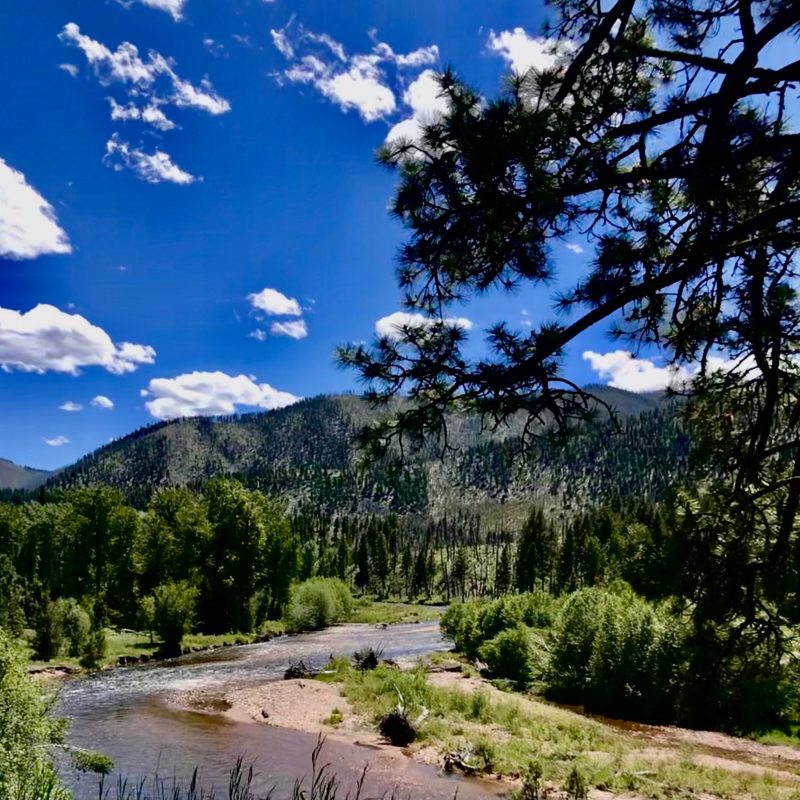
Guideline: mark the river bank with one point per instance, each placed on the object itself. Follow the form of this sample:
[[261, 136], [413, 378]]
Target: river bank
[[500, 734], [125, 648]]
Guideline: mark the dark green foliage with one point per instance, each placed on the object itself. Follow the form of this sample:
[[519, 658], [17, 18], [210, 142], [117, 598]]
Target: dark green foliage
[[49, 631], [311, 452]]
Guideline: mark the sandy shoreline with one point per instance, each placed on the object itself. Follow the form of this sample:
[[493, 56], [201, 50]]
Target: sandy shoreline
[[302, 704]]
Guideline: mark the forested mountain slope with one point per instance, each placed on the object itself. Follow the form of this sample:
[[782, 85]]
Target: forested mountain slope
[[13, 476], [308, 453]]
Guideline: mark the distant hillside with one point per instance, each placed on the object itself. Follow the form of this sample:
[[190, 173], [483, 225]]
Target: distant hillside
[[308, 453], [12, 476]]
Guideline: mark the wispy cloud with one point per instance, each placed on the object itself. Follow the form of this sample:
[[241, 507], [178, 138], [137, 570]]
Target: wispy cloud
[[367, 83], [155, 167], [56, 441]]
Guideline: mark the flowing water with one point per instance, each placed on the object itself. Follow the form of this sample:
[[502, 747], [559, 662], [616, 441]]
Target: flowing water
[[125, 714]]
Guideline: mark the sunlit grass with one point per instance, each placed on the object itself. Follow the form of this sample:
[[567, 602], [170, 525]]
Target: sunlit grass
[[374, 612], [509, 732]]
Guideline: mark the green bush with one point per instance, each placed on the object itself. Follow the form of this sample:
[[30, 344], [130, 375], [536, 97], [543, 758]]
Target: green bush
[[517, 654], [317, 603], [471, 624], [615, 653], [49, 631], [26, 771], [173, 613], [77, 625]]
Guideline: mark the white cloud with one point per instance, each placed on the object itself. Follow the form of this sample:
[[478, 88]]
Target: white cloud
[[258, 334], [156, 167], [273, 302], [71, 69], [56, 441], [424, 99], [391, 326], [522, 51], [295, 330], [153, 79], [574, 248], [28, 224], [282, 43], [70, 406], [48, 339], [173, 7], [365, 82], [422, 57], [210, 393], [151, 114], [101, 401], [624, 371], [358, 87]]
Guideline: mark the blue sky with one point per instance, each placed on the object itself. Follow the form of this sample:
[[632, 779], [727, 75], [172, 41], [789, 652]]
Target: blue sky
[[191, 218]]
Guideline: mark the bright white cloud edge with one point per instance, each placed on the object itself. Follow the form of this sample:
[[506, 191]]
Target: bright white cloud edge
[[211, 394], [28, 224], [101, 401], [275, 303], [391, 326], [46, 339], [625, 371]]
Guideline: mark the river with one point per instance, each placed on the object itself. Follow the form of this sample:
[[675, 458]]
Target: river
[[125, 714]]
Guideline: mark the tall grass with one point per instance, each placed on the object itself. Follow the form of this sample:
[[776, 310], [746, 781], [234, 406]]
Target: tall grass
[[321, 784]]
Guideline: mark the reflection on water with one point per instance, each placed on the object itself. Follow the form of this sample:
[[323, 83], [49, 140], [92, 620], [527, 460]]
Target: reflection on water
[[123, 713]]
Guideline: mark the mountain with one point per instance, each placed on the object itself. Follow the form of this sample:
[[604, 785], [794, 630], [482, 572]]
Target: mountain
[[308, 454], [12, 476]]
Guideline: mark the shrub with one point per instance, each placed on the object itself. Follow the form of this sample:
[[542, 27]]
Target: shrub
[[517, 654], [94, 650], [173, 613], [317, 603], [49, 631], [471, 624], [25, 769], [616, 653], [76, 625]]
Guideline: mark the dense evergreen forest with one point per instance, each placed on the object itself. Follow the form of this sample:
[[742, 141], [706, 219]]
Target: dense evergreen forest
[[308, 455]]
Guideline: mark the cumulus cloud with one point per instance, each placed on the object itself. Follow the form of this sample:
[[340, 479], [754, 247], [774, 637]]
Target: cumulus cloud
[[574, 248], [152, 78], [365, 82], [47, 339], [392, 325], [155, 167], [101, 401], [173, 7], [275, 303], [424, 98], [209, 394], [56, 441], [295, 330], [70, 406], [523, 52], [28, 224], [624, 371]]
